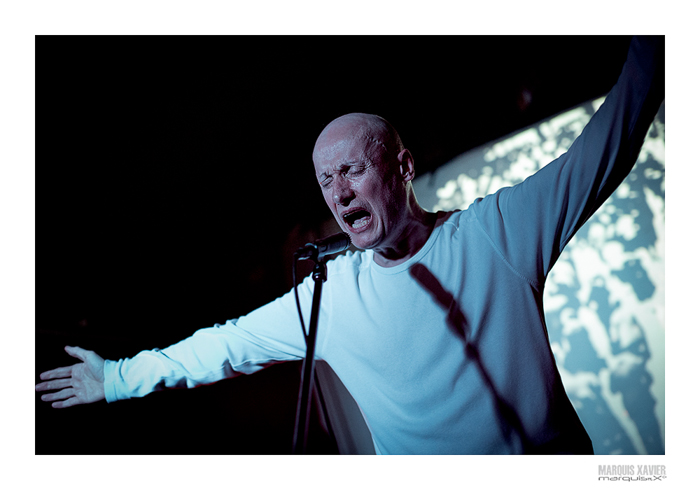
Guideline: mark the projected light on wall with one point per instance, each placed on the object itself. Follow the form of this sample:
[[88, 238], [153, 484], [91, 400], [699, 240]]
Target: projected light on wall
[[604, 299]]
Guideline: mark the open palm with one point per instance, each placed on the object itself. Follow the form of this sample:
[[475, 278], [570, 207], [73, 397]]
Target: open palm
[[78, 384]]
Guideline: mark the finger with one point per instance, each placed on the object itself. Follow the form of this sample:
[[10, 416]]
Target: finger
[[60, 395], [66, 403], [62, 372], [76, 352], [54, 385]]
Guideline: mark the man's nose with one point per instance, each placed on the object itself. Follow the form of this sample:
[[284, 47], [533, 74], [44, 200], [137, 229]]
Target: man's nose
[[342, 193]]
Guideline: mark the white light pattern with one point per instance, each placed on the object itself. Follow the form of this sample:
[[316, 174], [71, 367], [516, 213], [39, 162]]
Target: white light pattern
[[604, 298]]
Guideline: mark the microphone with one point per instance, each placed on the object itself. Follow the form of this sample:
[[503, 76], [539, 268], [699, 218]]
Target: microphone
[[325, 246]]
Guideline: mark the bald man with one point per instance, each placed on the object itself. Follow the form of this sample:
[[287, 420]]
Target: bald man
[[436, 327]]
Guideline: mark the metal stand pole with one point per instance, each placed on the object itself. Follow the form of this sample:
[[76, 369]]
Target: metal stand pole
[[304, 403]]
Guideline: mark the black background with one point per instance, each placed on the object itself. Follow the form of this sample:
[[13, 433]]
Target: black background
[[174, 179]]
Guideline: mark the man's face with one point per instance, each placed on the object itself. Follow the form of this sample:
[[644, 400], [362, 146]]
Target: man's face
[[360, 184]]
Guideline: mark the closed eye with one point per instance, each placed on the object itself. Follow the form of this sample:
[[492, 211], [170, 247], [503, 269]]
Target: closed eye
[[353, 170], [359, 168]]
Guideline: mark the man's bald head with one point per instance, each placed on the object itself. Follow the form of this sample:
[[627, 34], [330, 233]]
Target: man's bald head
[[372, 132], [365, 175]]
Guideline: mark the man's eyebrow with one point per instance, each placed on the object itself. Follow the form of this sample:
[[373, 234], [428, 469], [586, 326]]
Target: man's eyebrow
[[341, 166]]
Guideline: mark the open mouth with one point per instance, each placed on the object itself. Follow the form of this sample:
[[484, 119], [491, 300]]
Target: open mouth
[[357, 218]]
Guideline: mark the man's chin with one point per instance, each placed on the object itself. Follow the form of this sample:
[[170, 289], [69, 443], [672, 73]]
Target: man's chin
[[363, 241]]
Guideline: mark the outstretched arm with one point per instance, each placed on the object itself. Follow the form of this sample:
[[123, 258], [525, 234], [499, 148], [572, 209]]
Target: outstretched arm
[[532, 222], [80, 383], [268, 335]]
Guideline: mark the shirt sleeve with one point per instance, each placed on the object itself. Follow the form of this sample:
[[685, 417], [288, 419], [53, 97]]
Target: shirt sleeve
[[530, 223], [268, 335]]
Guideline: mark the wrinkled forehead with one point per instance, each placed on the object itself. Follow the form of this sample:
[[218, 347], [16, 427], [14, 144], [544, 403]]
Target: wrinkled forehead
[[351, 138], [347, 148]]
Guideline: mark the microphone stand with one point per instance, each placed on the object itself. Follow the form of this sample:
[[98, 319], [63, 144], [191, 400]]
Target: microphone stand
[[304, 402]]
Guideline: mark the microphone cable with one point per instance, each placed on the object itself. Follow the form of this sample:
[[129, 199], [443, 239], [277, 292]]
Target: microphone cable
[[296, 297]]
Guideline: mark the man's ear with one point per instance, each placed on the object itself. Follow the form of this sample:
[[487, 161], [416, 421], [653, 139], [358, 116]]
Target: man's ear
[[406, 168]]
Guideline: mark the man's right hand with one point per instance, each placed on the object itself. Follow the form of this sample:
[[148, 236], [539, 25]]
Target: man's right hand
[[78, 384]]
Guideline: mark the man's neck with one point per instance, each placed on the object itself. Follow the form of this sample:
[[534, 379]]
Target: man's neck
[[409, 242]]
